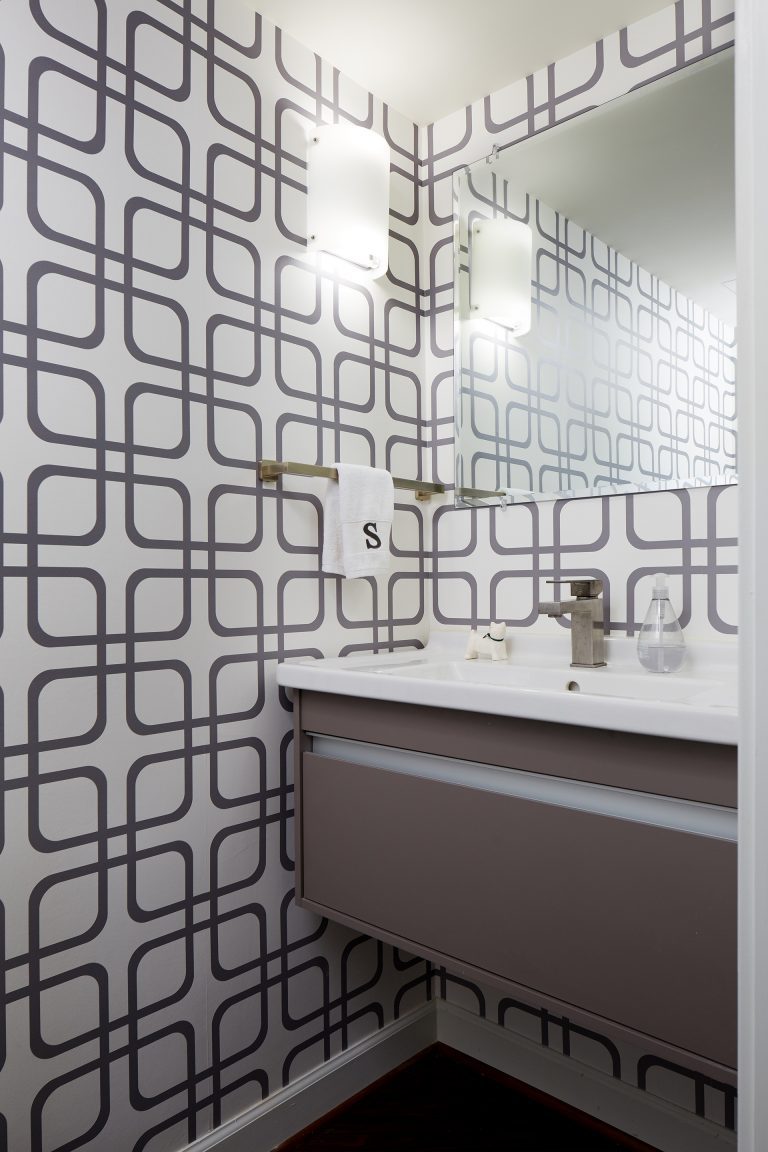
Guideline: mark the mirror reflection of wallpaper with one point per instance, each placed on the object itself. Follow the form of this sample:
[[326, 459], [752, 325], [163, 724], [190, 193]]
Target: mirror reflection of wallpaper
[[621, 381]]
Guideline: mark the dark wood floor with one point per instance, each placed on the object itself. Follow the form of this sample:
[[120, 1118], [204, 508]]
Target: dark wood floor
[[445, 1102]]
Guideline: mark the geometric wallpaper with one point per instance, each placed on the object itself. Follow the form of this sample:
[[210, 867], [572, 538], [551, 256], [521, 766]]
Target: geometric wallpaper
[[491, 564], [164, 328], [622, 379]]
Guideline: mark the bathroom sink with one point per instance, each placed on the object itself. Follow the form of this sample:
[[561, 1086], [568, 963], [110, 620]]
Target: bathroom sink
[[697, 703], [607, 681]]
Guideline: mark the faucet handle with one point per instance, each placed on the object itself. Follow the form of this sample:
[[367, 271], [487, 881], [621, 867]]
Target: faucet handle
[[582, 587]]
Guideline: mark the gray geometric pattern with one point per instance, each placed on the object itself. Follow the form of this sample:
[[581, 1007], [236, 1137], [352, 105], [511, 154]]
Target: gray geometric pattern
[[687, 1087], [491, 564], [622, 379], [681, 34], [163, 328]]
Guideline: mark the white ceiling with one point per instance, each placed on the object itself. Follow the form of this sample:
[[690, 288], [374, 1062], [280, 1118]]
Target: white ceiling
[[427, 58]]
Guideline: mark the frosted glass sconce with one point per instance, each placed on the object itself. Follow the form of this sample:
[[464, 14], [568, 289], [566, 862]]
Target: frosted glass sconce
[[348, 196], [500, 273]]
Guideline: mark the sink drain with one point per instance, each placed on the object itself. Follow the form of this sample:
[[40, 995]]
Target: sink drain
[[573, 686]]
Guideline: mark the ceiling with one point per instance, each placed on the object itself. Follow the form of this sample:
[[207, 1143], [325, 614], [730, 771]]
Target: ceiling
[[652, 175], [427, 58]]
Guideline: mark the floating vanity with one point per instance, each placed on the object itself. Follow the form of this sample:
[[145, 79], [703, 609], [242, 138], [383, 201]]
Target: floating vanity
[[520, 824]]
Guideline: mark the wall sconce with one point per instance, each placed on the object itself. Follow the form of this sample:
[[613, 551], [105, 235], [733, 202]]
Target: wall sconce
[[500, 273], [348, 196]]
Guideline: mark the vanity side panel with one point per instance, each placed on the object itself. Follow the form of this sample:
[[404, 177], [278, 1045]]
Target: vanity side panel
[[629, 922], [690, 770], [301, 745]]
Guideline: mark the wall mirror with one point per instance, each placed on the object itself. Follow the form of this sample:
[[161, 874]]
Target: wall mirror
[[595, 306]]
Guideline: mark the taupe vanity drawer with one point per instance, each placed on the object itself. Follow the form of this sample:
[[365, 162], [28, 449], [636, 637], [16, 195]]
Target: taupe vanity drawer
[[631, 922], [691, 769]]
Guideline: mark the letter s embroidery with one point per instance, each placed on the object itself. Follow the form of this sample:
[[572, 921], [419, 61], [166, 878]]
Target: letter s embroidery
[[373, 540]]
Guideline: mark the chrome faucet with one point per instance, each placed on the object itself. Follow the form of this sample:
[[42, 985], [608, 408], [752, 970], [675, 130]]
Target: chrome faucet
[[587, 627]]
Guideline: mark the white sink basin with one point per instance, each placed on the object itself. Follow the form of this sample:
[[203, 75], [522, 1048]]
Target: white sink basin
[[697, 703], [607, 681]]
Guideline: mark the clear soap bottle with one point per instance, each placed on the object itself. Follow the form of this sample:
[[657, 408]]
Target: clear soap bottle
[[661, 645]]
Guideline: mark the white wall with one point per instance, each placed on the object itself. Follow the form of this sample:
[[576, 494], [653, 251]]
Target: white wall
[[752, 241]]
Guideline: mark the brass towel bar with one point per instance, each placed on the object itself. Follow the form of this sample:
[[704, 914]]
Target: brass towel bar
[[270, 470]]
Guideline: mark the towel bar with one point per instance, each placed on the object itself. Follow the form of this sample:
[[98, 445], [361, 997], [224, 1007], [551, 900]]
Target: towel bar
[[269, 470], [479, 493]]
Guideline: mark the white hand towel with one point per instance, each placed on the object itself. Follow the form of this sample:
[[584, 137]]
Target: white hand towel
[[357, 520]]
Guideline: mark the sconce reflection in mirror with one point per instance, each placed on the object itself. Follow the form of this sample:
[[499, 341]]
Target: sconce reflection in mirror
[[348, 196], [500, 273]]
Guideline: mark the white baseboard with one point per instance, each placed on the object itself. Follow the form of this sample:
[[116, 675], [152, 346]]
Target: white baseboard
[[291, 1109], [640, 1114]]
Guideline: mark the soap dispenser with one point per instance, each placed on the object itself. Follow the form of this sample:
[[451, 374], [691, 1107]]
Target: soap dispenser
[[661, 645]]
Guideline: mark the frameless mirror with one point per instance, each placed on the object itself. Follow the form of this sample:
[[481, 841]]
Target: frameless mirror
[[624, 380]]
